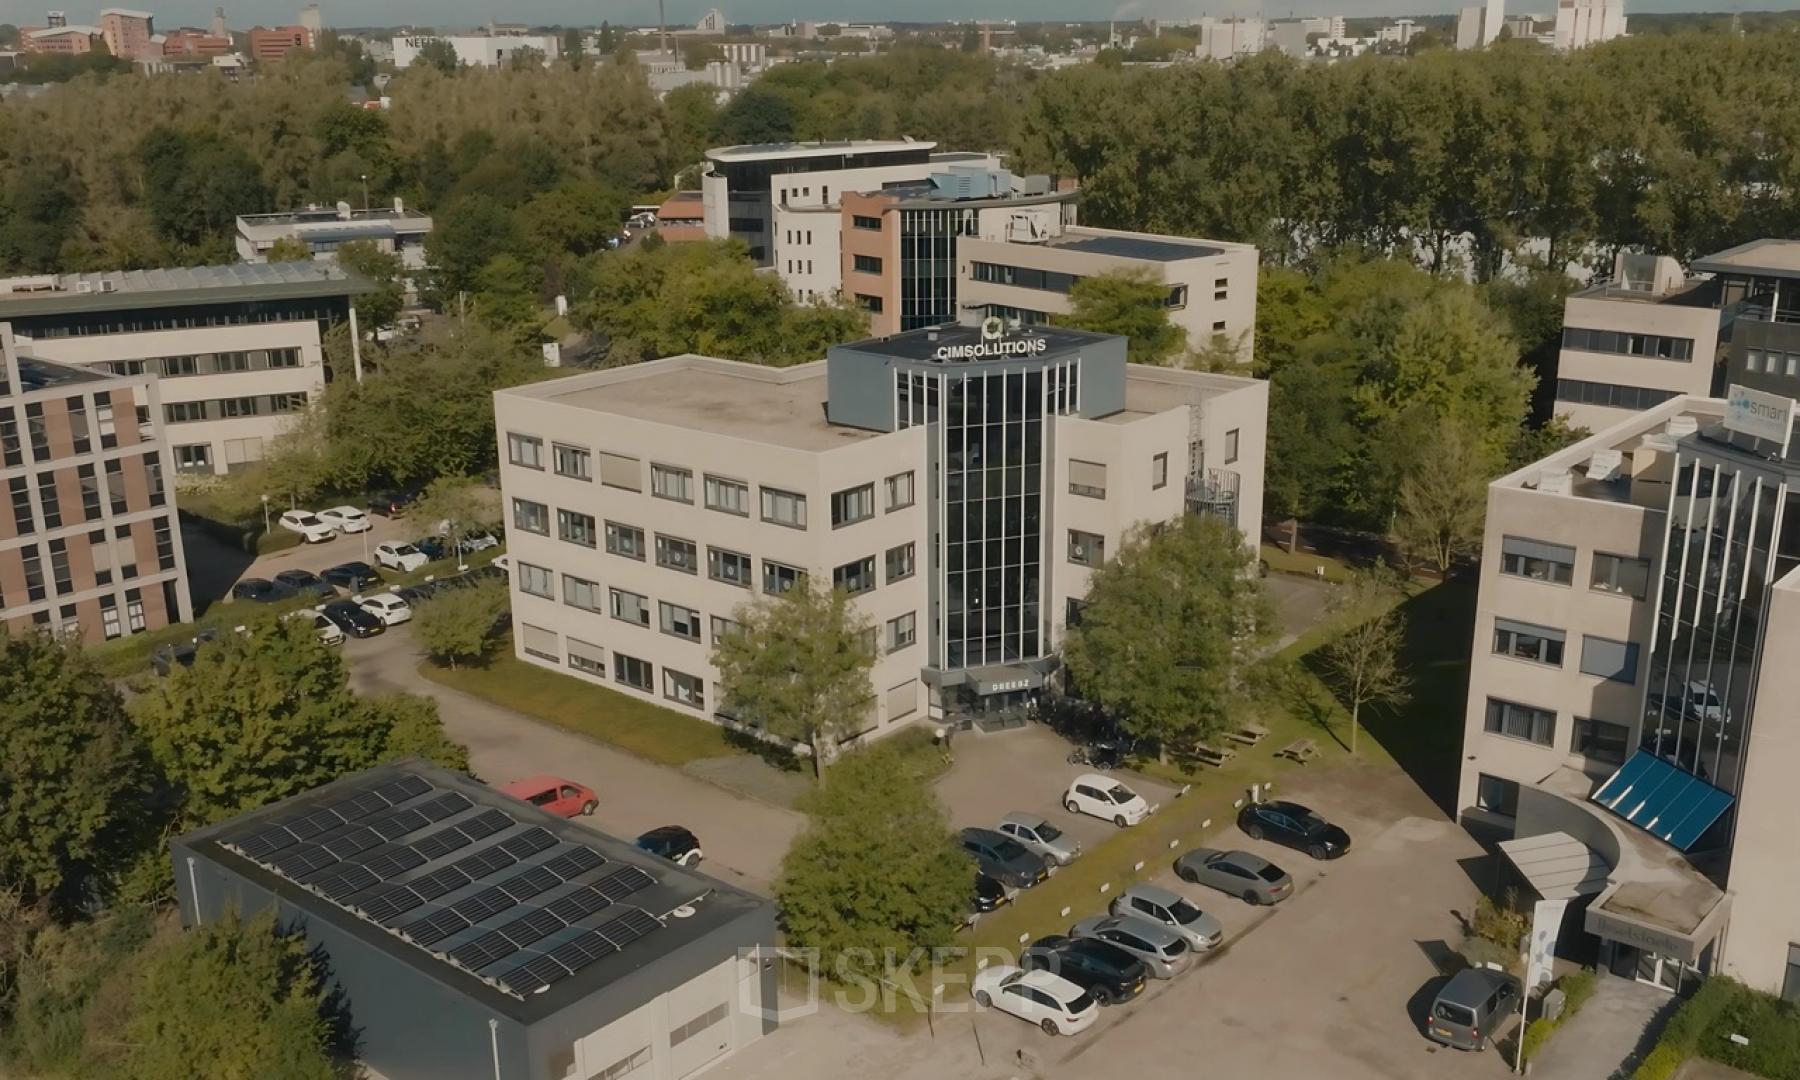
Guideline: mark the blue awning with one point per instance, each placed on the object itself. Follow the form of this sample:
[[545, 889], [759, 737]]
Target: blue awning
[[1662, 799]]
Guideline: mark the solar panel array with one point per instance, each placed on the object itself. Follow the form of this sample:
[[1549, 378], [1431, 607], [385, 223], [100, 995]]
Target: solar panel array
[[506, 901]]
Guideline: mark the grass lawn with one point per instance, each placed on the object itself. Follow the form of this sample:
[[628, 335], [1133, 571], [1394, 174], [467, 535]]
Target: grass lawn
[[1302, 562]]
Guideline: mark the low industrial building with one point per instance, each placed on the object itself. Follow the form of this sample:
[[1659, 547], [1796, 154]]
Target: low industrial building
[[394, 229], [475, 937]]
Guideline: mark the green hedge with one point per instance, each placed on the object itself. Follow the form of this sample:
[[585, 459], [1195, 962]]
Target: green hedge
[[1720, 1008]]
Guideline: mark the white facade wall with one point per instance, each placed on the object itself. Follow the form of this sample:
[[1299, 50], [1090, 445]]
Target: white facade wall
[[477, 50], [808, 250], [1636, 316], [644, 1034]]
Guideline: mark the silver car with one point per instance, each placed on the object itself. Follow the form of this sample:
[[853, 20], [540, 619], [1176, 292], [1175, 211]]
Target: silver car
[[1162, 949], [1172, 910], [1238, 873], [1036, 834]]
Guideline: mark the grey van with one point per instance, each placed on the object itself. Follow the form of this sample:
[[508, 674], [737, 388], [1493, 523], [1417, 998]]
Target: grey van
[[1470, 1006]]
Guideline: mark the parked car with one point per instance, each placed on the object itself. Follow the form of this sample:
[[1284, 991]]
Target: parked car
[[564, 798], [346, 519], [477, 540], [989, 894], [260, 591], [1238, 873], [401, 556], [349, 617], [1108, 972], [1292, 825], [392, 504], [305, 582], [417, 594], [1164, 952], [1104, 797], [1049, 1001], [352, 576], [1157, 905], [434, 547], [674, 843], [1470, 1006], [312, 528], [391, 609], [1004, 858], [1036, 835], [327, 631]]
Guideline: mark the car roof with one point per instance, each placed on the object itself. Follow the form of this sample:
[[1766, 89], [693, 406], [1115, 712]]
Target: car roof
[[669, 832], [306, 575], [1156, 933], [530, 785], [1282, 806], [344, 509], [1098, 780], [1051, 983], [975, 832], [1247, 860], [1154, 894], [1030, 821], [1470, 986]]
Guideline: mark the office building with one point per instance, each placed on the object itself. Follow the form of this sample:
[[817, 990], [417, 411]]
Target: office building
[[1580, 23], [312, 20], [1630, 718], [961, 483], [90, 548], [185, 43], [127, 33], [268, 46], [60, 40], [1228, 39], [1479, 27], [475, 936], [392, 229], [236, 348], [477, 50]]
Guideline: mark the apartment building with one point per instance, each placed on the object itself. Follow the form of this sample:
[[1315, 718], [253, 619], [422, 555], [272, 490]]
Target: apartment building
[[62, 40], [1580, 23], [237, 349], [1630, 726], [396, 230], [128, 34], [961, 483], [270, 45], [90, 547]]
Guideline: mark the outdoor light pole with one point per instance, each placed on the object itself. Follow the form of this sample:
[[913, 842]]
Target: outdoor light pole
[[365, 183], [265, 502]]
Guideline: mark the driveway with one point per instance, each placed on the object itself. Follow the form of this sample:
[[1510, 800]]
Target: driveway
[[744, 840]]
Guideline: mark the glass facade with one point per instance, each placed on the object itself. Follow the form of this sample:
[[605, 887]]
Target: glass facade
[[928, 264]]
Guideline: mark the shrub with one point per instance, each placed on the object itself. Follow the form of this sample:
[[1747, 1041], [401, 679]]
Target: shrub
[[1772, 1027], [1501, 923], [1685, 1032]]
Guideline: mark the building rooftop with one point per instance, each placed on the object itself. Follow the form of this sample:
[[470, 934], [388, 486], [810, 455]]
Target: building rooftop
[[786, 150], [54, 294], [1619, 464], [325, 216], [35, 374], [1132, 246], [1150, 390], [53, 31], [518, 909], [126, 12], [1769, 257]]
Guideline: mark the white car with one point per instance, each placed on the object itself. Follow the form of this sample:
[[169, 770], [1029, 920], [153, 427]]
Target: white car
[[1046, 999], [346, 519], [326, 629], [1104, 797], [390, 608], [401, 557], [312, 527]]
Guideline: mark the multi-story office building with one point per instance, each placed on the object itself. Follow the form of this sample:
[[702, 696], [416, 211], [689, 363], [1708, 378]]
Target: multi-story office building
[[268, 46], [62, 40], [128, 33], [1630, 718], [237, 348], [1758, 290], [395, 230], [1580, 23], [89, 547], [479, 50], [961, 485]]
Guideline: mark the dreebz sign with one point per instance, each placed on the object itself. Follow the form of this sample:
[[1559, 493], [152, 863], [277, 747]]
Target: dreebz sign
[[1764, 416]]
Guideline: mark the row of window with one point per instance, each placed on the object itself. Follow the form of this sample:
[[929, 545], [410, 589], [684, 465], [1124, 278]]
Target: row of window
[[140, 320], [60, 580], [1601, 657], [1770, 362], [1596, 739], [1030, 277], [223, 363], [81, 432], [1611, 395], [112, 623], [678, 686], [187, 412], [1554, 564], [93, 494], [1620, 343]]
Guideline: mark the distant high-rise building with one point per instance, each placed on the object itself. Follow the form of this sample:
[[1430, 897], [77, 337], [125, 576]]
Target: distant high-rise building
[[1580, 23], [127, 33], [713, 22], [218, 23], [313, 20], [56, 20], [1479, 27]]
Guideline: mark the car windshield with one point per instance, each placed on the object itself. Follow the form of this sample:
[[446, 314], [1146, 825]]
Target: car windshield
[[1185, 912], [1009, 850], [1121, 794], [306, 519], [1174, 948], [1270, 873], [1082, 1003], [1451, 1012], [1048, 833], [1312, 822], [320, 622], [405, 549]]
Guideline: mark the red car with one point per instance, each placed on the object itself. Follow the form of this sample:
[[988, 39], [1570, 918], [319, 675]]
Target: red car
[[565, 798]]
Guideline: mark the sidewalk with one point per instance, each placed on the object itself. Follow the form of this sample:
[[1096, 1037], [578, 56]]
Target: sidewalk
[[1605, 1038]]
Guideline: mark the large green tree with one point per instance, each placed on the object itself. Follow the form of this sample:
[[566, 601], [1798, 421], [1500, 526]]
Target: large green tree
[[1133, 304], [458, 626], [385, 270]]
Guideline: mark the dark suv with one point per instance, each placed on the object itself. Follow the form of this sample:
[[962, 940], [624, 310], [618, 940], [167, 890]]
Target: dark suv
[[1108, 972], [261, 591], [392, 504], [1292, 825], [1001, 857], [353, 576]]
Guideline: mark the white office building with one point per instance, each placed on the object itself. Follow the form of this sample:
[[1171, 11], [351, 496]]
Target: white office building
[[477, 50], [1580, 23], [395, 230]]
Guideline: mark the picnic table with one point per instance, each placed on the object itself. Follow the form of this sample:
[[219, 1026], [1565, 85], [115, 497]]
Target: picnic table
[[1215, 756], [1300, 750], [1249, 734]]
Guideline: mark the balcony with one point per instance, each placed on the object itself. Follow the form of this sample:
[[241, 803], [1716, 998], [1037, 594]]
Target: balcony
[[1214, 493]]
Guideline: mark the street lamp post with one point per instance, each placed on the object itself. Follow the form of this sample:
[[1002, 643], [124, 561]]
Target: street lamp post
[[365, 184], [265, 502]]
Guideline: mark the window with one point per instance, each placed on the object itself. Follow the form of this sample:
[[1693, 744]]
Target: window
[[587, 658], [1497, 796], [700, 1023], [780, 577], [1611, 395], [539, 642], [134, 610], [1620, 574], [1537, 560], [899, 491], [1159, 471], [1087, 478], [165, 543], [1521, 722], [537, 581], [629, 607], [9, 439], [681, 622], [677, 554], [902, 631], [284, 358], [626, 540], [1526, 641], [852, 505], [180, 365], [111, 625], [61, 574], [153, 473], [859, 221], [575, 528], [723, 627], [21, 505], [617, 470], [581, 593], [573, 461], [191, 459], [684, 689], [78, 425], [1086, 548], [47, 498], [1231, 446], [525, 450], [90, 492], [784, 508], [730, 496], [531, 516], [668, 482], [632, 672], [900, 563], [855, 577], [731, 567], [866, 264], [33, 564], [1620, 343], [871, 304], [1219, 326], [103, 419], [1609, 659], [1600, 740]]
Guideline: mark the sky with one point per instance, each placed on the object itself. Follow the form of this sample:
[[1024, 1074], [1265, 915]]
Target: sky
[[241, 14]]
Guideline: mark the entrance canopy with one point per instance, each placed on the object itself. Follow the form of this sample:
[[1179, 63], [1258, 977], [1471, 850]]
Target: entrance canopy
[[1557, 865], [1665, 801], [1004, 678]]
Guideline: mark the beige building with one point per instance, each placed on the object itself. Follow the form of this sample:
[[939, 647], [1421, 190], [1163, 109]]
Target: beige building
[[1630, 727], [646, 504], [128, 33]]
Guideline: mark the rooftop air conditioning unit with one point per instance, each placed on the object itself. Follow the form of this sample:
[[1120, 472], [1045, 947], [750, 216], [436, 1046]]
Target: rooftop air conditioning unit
[[1659, 443], [108, 285], [1682, 425], [1555, 482], [1604, 465], [84, 286]]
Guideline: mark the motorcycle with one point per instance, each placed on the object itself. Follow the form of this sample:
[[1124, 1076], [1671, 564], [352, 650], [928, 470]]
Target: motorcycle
[[1100, 755]]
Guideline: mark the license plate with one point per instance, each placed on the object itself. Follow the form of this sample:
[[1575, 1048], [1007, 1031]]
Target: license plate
[[1440, 1032]]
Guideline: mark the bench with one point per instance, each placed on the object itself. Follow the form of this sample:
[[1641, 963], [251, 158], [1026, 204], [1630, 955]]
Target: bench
[[1213, 755], [1249, 734], [1300, 751]]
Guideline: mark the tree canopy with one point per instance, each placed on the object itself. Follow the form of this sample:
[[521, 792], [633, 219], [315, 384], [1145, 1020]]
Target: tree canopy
[[1131, 304]]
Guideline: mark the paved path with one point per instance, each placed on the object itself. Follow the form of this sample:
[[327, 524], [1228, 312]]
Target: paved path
[[744, 840], [1603, 1040]]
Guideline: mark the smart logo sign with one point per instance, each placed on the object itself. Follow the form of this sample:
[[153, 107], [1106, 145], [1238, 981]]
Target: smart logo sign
[[994, 344], [1765, 416]]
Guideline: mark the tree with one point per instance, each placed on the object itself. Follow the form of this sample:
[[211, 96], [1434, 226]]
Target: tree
[[1363, 660], [440, 55], [195, 186], [289, 249], [466, 236], [1132, 304], [1171, 622], [690, 114], [756, 115], [701, 54], [413, 728], [577, 218], [878, 872], [574, 48], [506, 297], [72, 774], [799, 667], [1443, 498], [457, 506], [378, 309], [458, 625], [525, 58]]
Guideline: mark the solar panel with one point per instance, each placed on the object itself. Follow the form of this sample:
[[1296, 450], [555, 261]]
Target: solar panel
[[311, 825], [486, 861], [394, 863], [486, 823], [534, 975], [399, 823], [435, 927], [439, 882], [383, 906], [483, 951], [266, 841], [350, 879], [359, 806], [442, 806], [349, 843], [579, 904], [440, 843], [582, 951], [622, 882], [535, 925], [628, 927], [571, 863], [529, 842], [302, 860], [490, 901], [406, 787], [530, 883]]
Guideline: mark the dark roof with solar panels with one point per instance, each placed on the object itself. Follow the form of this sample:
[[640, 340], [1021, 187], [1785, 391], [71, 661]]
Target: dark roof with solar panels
[[462, 880]]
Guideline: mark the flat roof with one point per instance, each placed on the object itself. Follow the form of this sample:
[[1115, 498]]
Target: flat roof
[[58, 294], [1625, 437], [521, 910], [1693, 292], [1127, 246], [1150, 390], [35, 374], [328, 215], [1771, 256], [783, 150]]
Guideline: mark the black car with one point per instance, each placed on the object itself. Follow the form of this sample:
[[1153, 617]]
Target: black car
[[305, 581], [434, 547], [672, 842], [260, 591], [392, 504], [352, 619], [989, 894], [1000, 856], [416, 594], [354, 576], [1108, 972], [1295, 826]]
